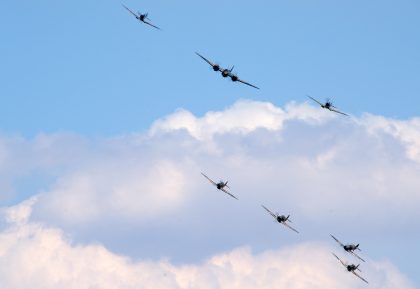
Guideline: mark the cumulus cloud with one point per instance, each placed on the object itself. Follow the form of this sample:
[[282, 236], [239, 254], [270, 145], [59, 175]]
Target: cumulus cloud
[[243, 117], [356, 176], [35, 256]]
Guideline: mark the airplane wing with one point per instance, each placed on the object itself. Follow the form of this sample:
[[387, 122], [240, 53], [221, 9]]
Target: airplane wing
[[244, 82], [209, 179], [341, 244], [271, 213], [205, 59], [290, 227], [337, 111], [357, 256], [359, 276], [128, 9], [148, 23], [321, 104], [222, 189], [344, 264]]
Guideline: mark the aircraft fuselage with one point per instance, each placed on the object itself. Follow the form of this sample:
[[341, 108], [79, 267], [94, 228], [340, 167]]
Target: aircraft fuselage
[[225, 73], [281, 219], [349, 248], [351, 268]]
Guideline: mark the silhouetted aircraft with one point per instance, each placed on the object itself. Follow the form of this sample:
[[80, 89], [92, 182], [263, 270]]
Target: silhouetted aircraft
[[349, 248], [220, 186], [351, 268], [141, 17], [226, 72], [327, 105], [280, 218]]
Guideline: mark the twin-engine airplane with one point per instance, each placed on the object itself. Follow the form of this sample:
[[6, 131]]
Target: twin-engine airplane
[[281, 219], [351, 268], [141, 17], [328, 105], [349, 248], [225, 72], [220, 186]]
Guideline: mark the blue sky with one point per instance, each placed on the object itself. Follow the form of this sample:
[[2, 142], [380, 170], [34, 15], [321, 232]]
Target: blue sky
[[107, 123], [89, 67]]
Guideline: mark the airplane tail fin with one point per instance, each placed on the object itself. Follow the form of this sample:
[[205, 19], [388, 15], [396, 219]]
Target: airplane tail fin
[[232, 68], [226, 184]]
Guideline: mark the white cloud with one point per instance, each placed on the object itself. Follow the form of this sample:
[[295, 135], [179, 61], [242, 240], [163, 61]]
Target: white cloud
[[329, 172], [35, 256], [243, 117], [320, 161], [408, 132]]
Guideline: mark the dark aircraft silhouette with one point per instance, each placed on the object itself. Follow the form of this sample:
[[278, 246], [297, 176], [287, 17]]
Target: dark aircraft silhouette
[[349, 248], [351, 268], [280, 218], [327, 105], [220, 186], [225, 72], [141, 17]]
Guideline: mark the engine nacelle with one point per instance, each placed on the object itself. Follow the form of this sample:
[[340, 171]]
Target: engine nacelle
[[234, 78], [216, 67]]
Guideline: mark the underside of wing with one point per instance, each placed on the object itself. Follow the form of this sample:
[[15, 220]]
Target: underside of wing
[[357, 256], [290, 227], [128, 9], [315, 100], [205, 59], [341, 261], [341, 244], [148, 23], [270, 212], [360, 277], [229, 193], [337, 111], [247, 83], [210, 180]]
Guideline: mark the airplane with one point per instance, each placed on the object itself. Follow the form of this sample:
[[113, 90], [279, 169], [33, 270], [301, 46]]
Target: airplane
[[349, 248], [226, 72], [351, 268], [328, 105], [281, 219], [220, 186], [141, 17]]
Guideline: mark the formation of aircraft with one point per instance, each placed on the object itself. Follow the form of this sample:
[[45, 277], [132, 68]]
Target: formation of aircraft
[[351, 268], [328, 105], [141, 17], [220, 186], [226, 72], [349, 248], [223, 186], [282, 219]]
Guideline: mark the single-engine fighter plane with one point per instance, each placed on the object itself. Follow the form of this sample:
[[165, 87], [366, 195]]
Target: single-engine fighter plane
[[349, 248], [220, 186], [281, 219], [351, 268], [226, 72], [328, 105], [141, 17]]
